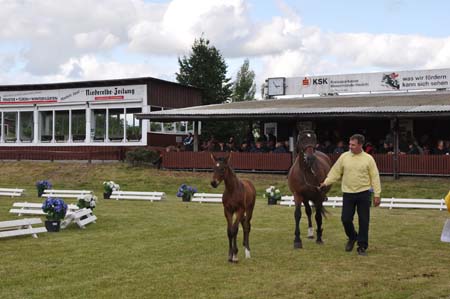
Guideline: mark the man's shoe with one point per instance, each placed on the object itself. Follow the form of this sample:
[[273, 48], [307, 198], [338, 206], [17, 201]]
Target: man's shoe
[[362, 251], [350, 244]]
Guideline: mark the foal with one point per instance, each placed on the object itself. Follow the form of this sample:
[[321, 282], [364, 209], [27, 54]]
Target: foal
[[238, 202]]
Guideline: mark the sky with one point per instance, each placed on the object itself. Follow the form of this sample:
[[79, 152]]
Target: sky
[[45, 41]]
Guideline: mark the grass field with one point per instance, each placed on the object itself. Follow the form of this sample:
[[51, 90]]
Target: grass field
[[172, 249]]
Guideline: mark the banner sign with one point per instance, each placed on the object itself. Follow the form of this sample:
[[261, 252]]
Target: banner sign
[[108, 93], [367, 82]]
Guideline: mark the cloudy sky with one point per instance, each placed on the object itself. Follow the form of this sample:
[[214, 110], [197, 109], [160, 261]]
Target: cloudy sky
[[71, 40]]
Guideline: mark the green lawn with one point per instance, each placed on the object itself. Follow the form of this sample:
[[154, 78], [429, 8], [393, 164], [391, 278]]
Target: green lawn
[[172, 249]]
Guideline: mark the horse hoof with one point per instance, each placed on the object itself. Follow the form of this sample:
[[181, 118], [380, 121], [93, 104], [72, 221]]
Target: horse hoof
[[310, 237], [320, 242], [247, 253], [235, 259], [298, 245]]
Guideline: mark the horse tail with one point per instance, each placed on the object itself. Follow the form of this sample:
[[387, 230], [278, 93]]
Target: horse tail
[[320, 208]]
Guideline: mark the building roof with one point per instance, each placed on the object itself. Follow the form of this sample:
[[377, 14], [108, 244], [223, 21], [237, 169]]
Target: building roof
[[412, 104], [82, 84]]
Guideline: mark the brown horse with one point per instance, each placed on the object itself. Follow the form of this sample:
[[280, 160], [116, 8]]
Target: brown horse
[[308, 171], [238, 201]]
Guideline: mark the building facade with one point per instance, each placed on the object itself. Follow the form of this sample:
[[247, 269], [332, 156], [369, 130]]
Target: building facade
[[89, 115]]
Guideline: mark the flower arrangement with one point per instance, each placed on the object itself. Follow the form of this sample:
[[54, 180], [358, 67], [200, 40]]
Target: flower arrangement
[[273, 195], [87, 201], [186, 192], [43, 185], [109, 187], [55, 208]]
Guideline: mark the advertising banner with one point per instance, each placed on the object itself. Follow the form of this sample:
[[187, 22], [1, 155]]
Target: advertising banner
[[369, 82], [109, 93]]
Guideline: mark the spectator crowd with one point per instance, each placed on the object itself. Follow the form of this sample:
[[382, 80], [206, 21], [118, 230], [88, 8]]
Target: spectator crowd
[[269, 144]]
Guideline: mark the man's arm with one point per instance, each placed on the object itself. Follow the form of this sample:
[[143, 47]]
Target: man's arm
[[334, 174], [375, 182]]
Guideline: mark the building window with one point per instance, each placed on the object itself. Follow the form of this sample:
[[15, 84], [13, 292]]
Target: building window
[[134, 127], [155, 126], [26, 133], [61, 126], [78, 125], [46, 126], [1, 128], [99, 125], [10, 126], [116, 124]]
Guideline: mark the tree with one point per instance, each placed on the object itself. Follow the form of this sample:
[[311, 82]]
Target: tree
[[206, 69], [244, 87]]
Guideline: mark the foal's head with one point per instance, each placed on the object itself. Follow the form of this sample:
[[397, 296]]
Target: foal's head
[[220, 168]]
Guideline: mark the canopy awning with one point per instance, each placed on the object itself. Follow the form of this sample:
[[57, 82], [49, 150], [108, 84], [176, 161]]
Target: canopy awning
[[412, 104]]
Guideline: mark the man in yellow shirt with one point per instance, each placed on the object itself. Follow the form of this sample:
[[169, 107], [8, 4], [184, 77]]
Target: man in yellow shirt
[[359, 173]]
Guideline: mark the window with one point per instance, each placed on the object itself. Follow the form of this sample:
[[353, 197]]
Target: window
[[116, 123], [181, 126], [26, 132], [61, 126], [78, 125], [134, 128], [155, 126], [169, 127], [46, 126], [10, 126], [99, 125]]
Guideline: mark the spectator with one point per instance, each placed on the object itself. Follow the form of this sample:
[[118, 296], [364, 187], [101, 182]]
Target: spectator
[[388, 148], [221, 147], [212, 144], [426, 149], [204, 146], [440, 149], [230, 146], [271, 137], [244, 147], [370, 149], [188, 142], [286, 146], [258, 148], [279, 148], [340, 148], [270, 146], [414, 149]]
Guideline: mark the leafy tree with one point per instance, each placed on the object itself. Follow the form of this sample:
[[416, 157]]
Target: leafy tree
[[205, 68], [244, 87]]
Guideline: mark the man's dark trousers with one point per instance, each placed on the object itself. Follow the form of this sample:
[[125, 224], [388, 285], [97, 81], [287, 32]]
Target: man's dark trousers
[[361, 203]]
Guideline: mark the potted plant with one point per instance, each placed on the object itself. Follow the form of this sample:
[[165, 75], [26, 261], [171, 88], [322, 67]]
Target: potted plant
[[186, 192], [273, 195], [108, 188], [42, 185], [88, 201], [56, 210]]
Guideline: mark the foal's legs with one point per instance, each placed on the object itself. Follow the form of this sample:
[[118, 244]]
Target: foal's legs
[[246, 226], [233, 229], [308, 211], [229, 217]]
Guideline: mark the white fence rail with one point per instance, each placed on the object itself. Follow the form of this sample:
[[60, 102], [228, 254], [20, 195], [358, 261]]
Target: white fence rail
[[390, 203]]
